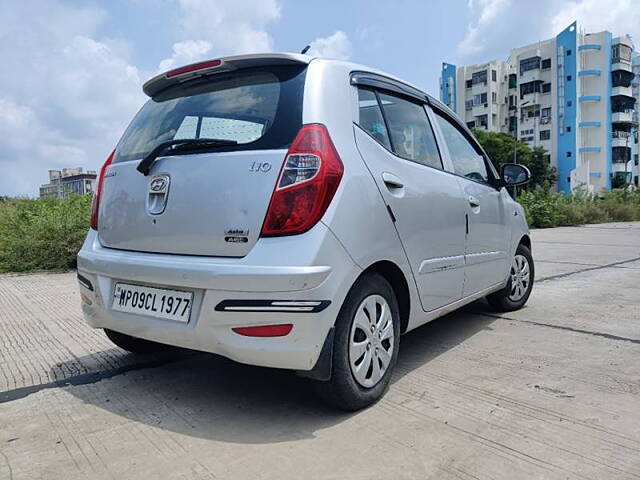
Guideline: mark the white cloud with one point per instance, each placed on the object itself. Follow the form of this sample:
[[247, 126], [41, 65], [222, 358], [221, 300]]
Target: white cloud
[[496, 26], [620, 17], [337, 46], [65, 96], [225, 27], [479, 32]]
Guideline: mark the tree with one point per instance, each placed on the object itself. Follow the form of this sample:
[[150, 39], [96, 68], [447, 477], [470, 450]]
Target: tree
[[499, 148], [541, 172]]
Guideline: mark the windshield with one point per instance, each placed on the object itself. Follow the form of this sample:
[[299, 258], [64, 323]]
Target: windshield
[[257, 108]]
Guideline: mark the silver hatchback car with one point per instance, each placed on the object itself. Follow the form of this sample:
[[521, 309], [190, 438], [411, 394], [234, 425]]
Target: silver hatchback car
[[299, 213]]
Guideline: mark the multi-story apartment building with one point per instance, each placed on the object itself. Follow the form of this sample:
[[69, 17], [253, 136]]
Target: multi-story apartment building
[[571, 94], [635, 90], [68, 181]]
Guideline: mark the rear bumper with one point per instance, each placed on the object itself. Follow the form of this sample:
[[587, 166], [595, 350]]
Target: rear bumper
[[309, 267]]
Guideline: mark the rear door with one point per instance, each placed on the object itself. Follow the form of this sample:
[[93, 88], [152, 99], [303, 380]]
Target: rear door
[[488, 232], [398, 146], [203, 202]]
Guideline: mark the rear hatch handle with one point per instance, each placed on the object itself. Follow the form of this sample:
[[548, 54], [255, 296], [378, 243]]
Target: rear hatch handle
[[177, 145]]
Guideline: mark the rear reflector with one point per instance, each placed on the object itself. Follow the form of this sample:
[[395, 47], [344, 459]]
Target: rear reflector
[[264, 330], [193, 68]]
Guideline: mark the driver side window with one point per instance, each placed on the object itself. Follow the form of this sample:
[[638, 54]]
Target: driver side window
[[467, 162]]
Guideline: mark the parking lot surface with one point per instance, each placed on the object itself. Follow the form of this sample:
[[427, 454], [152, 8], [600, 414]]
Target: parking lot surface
[[551, 391]]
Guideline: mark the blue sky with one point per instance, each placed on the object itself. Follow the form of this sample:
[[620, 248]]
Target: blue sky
[[72, 69]]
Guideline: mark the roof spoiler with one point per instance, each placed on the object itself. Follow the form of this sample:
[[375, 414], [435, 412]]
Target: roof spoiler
[[210, 67]]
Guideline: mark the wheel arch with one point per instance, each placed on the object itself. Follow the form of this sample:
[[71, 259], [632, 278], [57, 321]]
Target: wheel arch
[[398, 281], [526, 241]]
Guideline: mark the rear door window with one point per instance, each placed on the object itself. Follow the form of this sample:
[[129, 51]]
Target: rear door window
[[371, 120], [260, 109], [410, 131]]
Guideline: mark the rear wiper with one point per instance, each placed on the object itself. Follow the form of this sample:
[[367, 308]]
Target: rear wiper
[[146, 163]]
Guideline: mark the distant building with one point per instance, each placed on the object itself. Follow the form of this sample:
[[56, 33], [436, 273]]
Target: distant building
[[68, 181], [575, 95]]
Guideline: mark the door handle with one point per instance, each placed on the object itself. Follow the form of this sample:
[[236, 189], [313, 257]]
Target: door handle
[[391, 180], [473, 201]]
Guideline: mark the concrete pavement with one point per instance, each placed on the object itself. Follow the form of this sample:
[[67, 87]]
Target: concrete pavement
[[551, 391]]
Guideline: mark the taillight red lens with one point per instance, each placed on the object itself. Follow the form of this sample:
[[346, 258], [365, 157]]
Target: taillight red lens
[[309, 178], [95, 204], [193, 67], [265, 330]]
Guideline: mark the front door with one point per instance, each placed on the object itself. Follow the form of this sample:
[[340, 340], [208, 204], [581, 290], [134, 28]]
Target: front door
[[398, 146], [488, 233]]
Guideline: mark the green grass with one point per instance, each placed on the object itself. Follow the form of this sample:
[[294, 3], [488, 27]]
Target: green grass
[[42, 234], [47, 234]]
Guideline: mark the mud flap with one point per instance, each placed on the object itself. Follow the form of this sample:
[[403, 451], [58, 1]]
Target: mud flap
[[323, 367]]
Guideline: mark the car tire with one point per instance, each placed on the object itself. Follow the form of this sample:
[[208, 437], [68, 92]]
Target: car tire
[[134, 344], [346, 389], [521, 277]]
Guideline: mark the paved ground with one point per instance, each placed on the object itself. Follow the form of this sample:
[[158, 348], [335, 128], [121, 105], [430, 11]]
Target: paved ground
[[551, 391]]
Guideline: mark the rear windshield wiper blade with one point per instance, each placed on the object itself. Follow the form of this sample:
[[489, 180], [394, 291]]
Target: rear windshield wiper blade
[[146, 163]]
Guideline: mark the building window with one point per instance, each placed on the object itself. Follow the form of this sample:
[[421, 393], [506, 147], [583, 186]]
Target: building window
[[468, 104], [546, 87], [546, 112], [568, 154], [569, 103], [513, 80], [568, 129], [468, 83], [546, 63], [494, 97], [527, 64], [568, 53], [471, 125], [530, 87], [479, 77], [545, 134], [480, 99], [569, 78], [494, 75]]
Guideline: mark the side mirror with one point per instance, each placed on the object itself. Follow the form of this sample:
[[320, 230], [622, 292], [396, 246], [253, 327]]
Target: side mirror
[[513, 174]]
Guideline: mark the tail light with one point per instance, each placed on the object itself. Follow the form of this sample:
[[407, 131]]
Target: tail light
[[309, 178], [95, 204]]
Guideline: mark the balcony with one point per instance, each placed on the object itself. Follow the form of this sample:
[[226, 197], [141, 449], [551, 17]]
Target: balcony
[[621, 139], [622, 117], [621, 65], [626, 91]]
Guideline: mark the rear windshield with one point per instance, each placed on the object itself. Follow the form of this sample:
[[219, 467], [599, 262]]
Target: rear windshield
[[260, 109]]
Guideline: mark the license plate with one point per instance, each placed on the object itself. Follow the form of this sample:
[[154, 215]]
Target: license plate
[[154, 302]]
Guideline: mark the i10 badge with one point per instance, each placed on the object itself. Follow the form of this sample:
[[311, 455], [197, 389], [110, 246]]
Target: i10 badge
[[260, 167]]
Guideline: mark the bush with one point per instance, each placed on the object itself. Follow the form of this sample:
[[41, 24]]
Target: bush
[[42, 234], [547, 209]]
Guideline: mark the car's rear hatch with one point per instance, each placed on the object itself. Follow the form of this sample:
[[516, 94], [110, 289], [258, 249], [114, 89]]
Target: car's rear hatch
[[208, 201]]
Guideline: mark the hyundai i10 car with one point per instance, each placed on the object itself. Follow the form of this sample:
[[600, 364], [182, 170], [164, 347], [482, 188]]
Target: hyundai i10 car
[[298, 213]]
